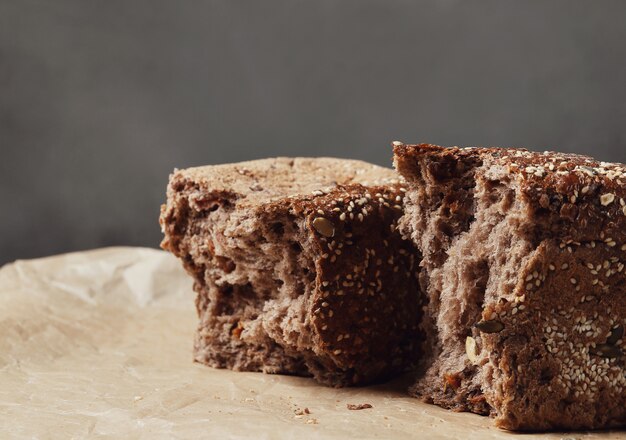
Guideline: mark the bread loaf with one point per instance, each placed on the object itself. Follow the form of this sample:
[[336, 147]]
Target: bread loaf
[[298, 267], [523, 265]]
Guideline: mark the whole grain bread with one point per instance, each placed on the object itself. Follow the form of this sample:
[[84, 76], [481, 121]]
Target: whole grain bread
[[298, 267], [523, 264]]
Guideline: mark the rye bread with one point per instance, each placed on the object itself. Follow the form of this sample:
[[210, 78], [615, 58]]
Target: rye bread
[[523, 267], [298, 267]]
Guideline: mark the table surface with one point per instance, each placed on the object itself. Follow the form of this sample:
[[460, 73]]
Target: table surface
[[98, 344]]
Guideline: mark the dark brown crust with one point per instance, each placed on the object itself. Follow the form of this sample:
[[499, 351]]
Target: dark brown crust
[[365, 309], [555, 358], [564, 192], [343, 216]]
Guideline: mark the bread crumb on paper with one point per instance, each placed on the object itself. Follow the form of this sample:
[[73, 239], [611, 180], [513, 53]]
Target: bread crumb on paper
[[301, 412], [356, 407]]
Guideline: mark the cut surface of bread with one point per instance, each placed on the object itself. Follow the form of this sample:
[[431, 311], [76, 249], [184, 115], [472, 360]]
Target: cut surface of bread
[[298, 267], [523, 266]]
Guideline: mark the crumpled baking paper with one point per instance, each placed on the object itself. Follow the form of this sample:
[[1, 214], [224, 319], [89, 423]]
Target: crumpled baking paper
[[98, 345]]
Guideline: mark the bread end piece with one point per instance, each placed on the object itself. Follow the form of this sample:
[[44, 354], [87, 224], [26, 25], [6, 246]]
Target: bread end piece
[[523, 257], [298, 267]]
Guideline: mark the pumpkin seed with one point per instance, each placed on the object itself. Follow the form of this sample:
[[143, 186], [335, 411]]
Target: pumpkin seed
[[491, 326], [323, 226], [616, 334], [608, 351]]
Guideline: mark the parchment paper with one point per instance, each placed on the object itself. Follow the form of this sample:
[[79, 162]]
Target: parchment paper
[[98, 344]]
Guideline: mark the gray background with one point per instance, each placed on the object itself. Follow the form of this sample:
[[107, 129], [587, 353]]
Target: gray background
[[100, 100]]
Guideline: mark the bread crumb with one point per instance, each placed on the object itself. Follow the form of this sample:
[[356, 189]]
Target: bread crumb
[[355, 407], [311, 422]]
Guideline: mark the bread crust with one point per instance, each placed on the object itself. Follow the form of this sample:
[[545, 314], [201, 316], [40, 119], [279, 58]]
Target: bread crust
[[573, 196]]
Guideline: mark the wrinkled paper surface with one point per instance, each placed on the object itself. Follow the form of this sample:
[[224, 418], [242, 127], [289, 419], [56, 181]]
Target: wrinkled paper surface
[[98, 344]]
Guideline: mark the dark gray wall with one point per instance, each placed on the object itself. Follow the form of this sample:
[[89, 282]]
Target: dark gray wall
[[100, 100]]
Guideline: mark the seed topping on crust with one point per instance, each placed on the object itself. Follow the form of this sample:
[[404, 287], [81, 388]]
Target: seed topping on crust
[[607, 199], [324, 226], [491, 326]]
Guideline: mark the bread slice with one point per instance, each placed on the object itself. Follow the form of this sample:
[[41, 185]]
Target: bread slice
[[298, 267], [523, 259]]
